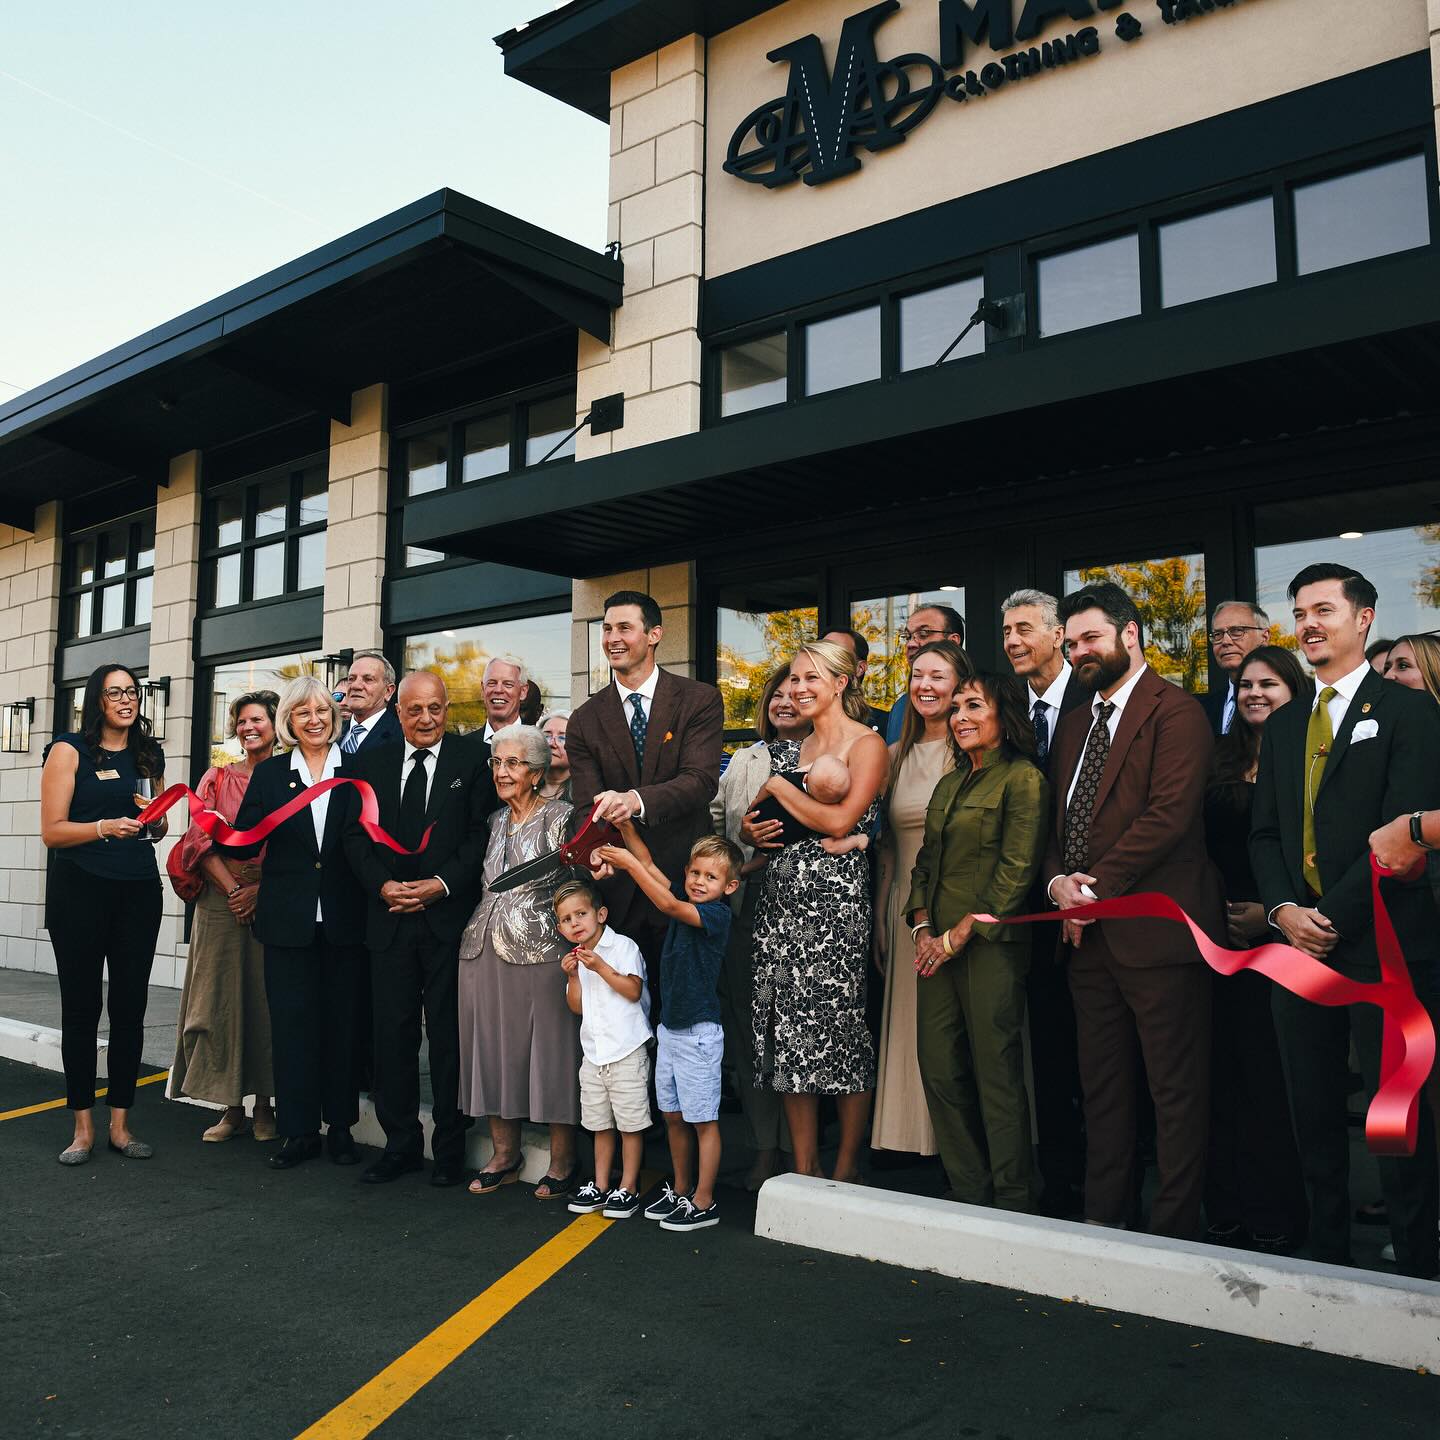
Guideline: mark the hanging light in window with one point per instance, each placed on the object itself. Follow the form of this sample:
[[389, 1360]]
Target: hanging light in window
[[154, 703], [18, 715], [332, 670]]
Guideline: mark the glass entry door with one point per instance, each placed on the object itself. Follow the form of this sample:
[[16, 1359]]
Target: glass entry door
[[759, 624]]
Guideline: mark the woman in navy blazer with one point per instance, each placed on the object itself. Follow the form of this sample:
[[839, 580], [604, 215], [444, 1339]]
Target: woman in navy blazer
[[310, 917]]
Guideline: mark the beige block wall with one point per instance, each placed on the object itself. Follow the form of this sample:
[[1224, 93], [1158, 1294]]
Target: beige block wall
[[29, 626], [657, 150], [172, 652], [1173, 75], [673, 587], [355, 529]]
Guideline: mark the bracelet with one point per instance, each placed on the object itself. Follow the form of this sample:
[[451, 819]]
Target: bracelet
[[916, 929], [945, 941], [238, 887], [100, 832]]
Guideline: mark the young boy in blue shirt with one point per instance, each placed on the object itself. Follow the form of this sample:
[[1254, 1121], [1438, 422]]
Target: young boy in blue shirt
[[691, 1043]]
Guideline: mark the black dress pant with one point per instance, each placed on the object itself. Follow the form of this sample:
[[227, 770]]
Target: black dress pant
[[98, 925], [1055, 1063], [311, 992], [1315, 1043], [416, 975]]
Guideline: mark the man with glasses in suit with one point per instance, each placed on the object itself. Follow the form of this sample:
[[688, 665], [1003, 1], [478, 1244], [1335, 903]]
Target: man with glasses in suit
[[1236, 628]]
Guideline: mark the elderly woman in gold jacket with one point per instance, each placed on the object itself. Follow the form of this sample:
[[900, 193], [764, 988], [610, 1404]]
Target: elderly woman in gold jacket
[[984, 838], [519, 1043]]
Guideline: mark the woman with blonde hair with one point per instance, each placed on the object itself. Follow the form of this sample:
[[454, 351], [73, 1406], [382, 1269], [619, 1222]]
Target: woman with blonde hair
[[222, 1044], [1414, 661], [310, 917], [812, 921]]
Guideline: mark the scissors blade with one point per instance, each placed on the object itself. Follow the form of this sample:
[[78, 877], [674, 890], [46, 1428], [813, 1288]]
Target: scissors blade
[[535, 869]]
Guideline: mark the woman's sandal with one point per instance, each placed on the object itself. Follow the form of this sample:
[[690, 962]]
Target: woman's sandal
[[556, 1187], [488, 1181]]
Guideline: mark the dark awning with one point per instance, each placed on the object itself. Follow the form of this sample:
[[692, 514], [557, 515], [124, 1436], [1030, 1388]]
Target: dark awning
[[570, 52], [1359, 345], [435, 285]]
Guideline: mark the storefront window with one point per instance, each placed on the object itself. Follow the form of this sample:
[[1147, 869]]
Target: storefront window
[[269, 672], [1218, 252], [109, 580], [1090, 285], [459, 657], [548, 422], [1170, 595], [266, 537], [426, 458], [487, 448], [882, 620], [843, 350], [1403, 565], [753, 374], [1380, 210], [930, 321], [759, 626]]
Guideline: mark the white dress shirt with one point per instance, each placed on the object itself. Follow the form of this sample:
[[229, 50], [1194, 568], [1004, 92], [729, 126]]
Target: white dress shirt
[[1054, 694], [320, 808], [1227, 712], [431, 766], [646, 692], [612, 1027], [1118, 700], [490, 731]]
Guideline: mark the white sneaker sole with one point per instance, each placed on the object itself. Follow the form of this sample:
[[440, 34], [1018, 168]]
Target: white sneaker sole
[[619, 1214], [690, 1224]]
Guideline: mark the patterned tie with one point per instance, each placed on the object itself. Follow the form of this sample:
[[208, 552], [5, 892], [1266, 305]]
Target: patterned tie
[[1042, 733], [353, 738], [1319, 737], [638, 726], [1087, 784]]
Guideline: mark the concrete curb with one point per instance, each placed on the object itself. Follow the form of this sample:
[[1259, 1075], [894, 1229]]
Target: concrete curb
[[39, 1045], [1386, 1319]]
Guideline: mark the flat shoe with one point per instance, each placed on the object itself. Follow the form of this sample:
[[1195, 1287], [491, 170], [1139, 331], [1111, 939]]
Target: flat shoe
[[223, 1130], [488, 1181], [75, 1155], [132, 1149]]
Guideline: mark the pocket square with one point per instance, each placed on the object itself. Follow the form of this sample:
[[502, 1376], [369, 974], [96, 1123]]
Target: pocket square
[[456, 783], [1364, 730]]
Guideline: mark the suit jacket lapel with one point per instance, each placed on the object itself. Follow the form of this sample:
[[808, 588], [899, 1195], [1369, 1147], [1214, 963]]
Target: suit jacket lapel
[[1371, 688], [1143, 699], [664, 710], [301, 779], [447, 767], [617, 729]]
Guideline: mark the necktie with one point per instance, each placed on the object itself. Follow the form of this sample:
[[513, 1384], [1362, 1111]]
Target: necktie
[[1042, 733], [1319, 737], [353, 738], [638, 725], [1087, 783], [412, 802], [1228, 711]]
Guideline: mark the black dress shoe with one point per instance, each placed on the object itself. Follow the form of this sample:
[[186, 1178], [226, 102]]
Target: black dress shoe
[[443, 1176], [341, 1147], [295, 1150], [391, 1167]]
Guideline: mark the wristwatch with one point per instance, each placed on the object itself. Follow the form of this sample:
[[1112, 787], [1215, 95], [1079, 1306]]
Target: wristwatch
[[1417, 833]]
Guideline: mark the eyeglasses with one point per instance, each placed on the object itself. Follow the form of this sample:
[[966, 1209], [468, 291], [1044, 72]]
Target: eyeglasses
[[511, 764], [1232, 632], [117, 692], [555, 739], [923, 633]]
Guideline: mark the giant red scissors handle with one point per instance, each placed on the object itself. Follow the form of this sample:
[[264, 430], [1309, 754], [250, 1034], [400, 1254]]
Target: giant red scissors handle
[[1407, 1047]]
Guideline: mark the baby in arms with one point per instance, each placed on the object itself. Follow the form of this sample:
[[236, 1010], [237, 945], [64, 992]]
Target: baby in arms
[[828, 781]]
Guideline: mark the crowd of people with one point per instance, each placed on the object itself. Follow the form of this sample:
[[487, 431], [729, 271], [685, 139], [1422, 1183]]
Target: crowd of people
[[819, 924]]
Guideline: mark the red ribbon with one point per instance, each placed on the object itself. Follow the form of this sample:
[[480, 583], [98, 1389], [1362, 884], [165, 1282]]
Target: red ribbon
[[1407, 1047], [222, 834]]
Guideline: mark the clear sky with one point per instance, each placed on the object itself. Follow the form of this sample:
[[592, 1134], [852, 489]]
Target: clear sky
[[155, 153]]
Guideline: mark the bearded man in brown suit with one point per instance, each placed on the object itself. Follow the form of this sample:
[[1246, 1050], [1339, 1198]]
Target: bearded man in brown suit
[[1129, 771], [646, 748]]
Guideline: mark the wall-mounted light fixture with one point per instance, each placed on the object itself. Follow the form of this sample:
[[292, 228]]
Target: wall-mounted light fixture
[[17, 716], [155, 703], [333, 669]]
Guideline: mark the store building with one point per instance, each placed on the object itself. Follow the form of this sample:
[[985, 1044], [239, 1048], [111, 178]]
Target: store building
[[1199, 235]]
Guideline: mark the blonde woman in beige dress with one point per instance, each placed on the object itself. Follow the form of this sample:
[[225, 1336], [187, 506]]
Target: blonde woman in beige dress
[[918, 760]]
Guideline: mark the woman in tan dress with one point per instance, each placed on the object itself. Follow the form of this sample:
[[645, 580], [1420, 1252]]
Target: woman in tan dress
[[222, 1050], [918, 760]]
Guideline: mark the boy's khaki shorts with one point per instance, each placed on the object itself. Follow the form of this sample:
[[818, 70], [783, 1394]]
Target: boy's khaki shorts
[[616, 1096]]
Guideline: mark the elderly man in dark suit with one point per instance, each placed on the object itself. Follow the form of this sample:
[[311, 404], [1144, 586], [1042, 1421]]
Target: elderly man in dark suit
[[369, 686], [1236, 628], [1330, 773], [646, 748], [418, 907], [1131, 771], [1034, 644]]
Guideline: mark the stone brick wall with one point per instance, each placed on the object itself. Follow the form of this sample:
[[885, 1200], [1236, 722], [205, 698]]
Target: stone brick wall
[[355, 527], [673, 587]]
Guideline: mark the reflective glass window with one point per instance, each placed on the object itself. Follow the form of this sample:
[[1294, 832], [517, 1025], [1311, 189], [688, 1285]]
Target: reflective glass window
[[1089, 286], [82, 562], [547, 423], [1218, 252], [272, 506], [314, 497], [112, 607], [753, 374], [931, 320], [487, 448], [229, 512], [419, 555], [239, 677], [310, 561], [759, 626], [268, 575], [81, 608], [227, 580], [144, 589], [1377, 211], [842, 350], [426, 457]]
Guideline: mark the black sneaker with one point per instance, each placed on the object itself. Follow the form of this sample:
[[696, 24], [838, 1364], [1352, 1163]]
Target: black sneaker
[[665, 1206], [588, 1199], [688, 1216], [620, 1204]]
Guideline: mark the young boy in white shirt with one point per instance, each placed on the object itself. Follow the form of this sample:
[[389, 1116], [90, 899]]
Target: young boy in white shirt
[[605, 986]]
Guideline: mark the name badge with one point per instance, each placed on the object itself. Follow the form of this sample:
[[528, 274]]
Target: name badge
[[107, 774]]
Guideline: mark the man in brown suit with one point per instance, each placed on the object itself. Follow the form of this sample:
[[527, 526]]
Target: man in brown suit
[[647, 748], [1130, 771]]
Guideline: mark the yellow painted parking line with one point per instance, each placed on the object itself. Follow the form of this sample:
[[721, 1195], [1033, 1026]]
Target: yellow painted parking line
[[60, 1104], [377, 1400]]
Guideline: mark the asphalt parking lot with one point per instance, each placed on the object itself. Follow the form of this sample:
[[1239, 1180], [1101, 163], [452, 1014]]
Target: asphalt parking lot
[[202, 1293]]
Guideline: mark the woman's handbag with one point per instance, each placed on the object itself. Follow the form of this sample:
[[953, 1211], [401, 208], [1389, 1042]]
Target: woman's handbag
[[187, 884]]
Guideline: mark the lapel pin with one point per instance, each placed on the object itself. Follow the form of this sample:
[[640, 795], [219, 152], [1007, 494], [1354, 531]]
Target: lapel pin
[[1365, 708], [292, 784], [669, 736]]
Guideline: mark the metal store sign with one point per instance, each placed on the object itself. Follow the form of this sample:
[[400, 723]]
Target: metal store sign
[[813, 131]]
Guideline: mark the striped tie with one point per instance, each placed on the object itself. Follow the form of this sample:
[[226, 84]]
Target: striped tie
[[354, 737]]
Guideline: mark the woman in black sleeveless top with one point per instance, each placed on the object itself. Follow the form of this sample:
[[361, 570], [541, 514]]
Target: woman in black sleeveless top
[[102, 898]]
